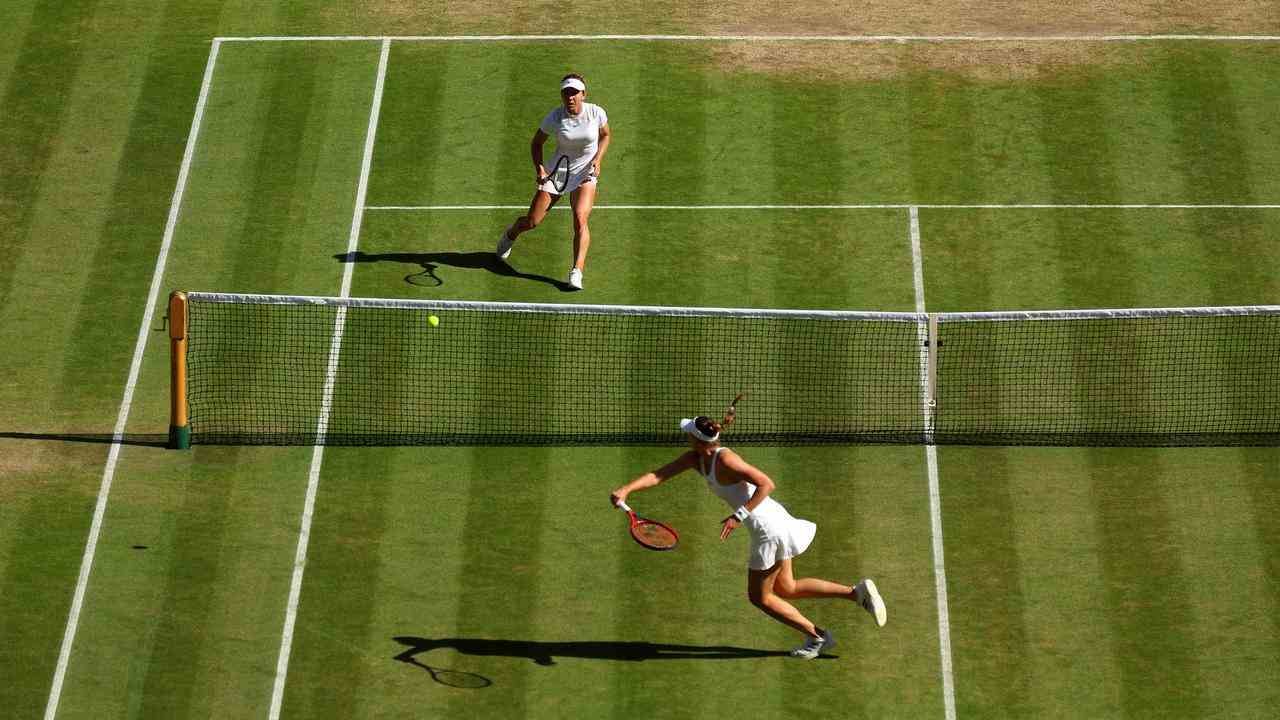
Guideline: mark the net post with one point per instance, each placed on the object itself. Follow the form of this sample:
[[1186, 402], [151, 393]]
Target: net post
[[933, 361], [179, 425]]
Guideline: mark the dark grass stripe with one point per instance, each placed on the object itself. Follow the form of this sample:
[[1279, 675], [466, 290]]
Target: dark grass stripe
[[197, 558], [1147, 593], [123, 256], [1214, 159], [1202, 103], [500, 573], [410, 124], [283, 169], [34, 107], [992, 654], [35, 592], [1080, 159], [343, 569], [1261, 468], [941, 139], [667, 259]]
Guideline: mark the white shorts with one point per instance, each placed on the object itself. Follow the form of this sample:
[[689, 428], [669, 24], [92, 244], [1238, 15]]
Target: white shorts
[[779, 540], [575, 180]]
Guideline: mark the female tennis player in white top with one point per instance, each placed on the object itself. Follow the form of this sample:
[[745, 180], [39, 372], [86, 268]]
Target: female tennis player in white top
[[581, 130], [776, 536]]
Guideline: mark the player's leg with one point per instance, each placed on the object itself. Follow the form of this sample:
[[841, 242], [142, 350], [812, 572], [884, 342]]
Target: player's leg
[[583, 199], [789, 587], [761, 592], [542, 202]]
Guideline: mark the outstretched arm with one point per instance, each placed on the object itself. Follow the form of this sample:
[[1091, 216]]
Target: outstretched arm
[[654, 478]]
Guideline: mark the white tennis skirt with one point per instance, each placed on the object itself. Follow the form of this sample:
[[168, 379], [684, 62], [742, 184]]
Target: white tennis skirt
[[778, 539], [575, 181]]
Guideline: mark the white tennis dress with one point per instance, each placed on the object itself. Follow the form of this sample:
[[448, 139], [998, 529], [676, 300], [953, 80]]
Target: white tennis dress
[[775, 534], [578, 138]]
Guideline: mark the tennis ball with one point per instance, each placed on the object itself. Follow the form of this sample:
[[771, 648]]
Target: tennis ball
[[433, 320]]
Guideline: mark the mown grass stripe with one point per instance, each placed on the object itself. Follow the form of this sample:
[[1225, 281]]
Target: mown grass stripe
[[35, 103], [185, 616], [345, 564], [41, 553], [501, 575], [290, 102], [1261, 467], [1144, 585]]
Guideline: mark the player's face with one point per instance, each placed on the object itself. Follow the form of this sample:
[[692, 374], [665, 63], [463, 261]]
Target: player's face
[[572, 99]]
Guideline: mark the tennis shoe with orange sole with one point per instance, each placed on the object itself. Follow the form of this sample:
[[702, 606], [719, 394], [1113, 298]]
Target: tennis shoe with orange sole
[[869, 598]]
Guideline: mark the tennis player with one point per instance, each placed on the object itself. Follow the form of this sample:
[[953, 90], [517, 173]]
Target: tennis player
[[581, 130], [776, 536]]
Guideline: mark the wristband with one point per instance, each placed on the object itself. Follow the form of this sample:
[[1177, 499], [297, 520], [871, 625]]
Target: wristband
[[741, 513]]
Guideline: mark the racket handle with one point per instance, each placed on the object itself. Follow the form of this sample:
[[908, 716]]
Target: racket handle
[[622, 505]]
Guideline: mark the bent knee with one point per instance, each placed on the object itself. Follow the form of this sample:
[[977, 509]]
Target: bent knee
[[785, 590]]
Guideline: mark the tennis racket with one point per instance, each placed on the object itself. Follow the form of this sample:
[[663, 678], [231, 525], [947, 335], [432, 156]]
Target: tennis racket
[[559, 175], [651, 533]]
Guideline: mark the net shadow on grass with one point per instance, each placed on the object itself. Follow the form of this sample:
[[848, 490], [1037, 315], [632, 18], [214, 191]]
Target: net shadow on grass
[[138, 439], [545, 653], [430, 262]]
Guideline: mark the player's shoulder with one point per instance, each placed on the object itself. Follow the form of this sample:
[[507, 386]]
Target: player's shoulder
[[596, 111]]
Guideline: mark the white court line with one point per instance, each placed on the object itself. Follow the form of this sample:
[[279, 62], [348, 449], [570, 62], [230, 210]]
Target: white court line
[[759, 38], [326, 402], [867, 206], [122, 418], [935, 497]]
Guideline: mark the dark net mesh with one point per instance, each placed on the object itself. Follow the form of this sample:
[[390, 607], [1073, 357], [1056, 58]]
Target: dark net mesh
[[1171, 380], [258, 375]]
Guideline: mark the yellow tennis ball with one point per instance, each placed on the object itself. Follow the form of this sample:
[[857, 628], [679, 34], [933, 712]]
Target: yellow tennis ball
[[433, 320]]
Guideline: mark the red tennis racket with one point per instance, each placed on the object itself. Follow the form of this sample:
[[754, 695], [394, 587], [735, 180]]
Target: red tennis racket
[[651, 533]]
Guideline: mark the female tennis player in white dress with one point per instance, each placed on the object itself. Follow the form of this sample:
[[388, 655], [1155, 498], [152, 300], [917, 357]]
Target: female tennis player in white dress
[[581, 130], [776, 536]]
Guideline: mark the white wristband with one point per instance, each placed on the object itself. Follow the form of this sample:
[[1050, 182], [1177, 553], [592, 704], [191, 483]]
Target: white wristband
[[741, 513]]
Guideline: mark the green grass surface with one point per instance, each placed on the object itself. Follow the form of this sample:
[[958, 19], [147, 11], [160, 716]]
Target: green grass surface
[[1083, 582]]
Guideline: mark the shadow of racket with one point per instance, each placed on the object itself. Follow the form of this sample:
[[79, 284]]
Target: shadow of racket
[[445, 676]]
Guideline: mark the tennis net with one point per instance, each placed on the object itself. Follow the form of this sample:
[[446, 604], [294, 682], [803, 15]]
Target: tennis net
[[264, 369]]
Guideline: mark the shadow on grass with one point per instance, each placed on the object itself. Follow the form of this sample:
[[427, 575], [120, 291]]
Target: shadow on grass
[[544, 653], [139, 439], [430, 262]]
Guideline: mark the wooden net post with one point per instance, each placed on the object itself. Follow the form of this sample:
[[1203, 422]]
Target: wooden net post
[[179, 425]]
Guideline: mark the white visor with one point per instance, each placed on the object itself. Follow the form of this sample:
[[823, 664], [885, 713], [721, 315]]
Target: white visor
[[690, 427], [573, 83]]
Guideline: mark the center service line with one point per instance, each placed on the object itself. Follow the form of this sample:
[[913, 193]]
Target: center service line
[[935, 497]]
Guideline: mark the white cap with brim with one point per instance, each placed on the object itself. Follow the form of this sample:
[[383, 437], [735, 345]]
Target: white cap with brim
[[688, 425], [573, 83]]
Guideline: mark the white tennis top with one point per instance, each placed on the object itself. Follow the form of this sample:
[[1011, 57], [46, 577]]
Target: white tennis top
[[577, 136], [769, 514]]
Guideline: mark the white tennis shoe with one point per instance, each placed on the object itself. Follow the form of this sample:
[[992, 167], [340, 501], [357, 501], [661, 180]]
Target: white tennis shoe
[[575, 279], [813, 647], [505, 244], [870, 600]]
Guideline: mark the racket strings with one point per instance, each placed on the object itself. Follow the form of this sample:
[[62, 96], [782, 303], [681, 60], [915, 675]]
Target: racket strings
[[655, 535]]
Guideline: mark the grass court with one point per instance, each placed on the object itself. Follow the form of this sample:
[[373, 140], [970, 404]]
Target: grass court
[[1080, 582]]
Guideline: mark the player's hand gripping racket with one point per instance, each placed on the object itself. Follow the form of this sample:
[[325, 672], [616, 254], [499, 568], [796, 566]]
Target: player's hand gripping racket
[[559, 175], [651, 533]]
